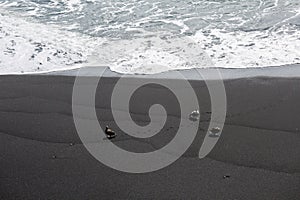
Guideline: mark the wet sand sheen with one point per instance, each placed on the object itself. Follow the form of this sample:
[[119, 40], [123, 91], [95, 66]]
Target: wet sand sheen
[[44, 158]]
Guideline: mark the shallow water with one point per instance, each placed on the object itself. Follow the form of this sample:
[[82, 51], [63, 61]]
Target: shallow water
[[43, 35]]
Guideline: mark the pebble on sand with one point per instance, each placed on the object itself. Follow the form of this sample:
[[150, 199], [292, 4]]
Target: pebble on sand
[[215, 132], [195, 115], [226, 176]]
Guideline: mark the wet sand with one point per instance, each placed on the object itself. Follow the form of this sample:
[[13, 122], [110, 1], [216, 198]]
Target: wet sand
[[43, 158]]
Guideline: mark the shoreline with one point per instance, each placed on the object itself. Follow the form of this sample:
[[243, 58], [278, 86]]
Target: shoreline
[[44, 158], [287, 71]]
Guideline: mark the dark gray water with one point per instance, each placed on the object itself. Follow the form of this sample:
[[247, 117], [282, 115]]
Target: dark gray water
[[234, 33]]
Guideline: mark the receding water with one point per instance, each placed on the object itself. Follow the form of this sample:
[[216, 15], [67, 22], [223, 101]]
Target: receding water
[[40, 35]]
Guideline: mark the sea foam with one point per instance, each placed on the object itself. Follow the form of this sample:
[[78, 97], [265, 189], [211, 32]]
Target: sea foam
[[38, 37]]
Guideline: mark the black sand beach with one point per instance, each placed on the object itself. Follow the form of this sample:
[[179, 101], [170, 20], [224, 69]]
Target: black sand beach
[[43, 158]]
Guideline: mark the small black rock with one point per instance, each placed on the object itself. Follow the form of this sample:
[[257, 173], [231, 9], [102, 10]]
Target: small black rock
[[226, 176]]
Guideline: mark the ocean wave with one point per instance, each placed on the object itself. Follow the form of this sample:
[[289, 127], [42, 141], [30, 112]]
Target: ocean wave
[[38, 36]]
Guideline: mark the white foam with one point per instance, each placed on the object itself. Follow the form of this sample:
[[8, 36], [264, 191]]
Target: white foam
[[150, 55], [217, 48], [32, 47], [251, 49], [27, 47], [73, 5]]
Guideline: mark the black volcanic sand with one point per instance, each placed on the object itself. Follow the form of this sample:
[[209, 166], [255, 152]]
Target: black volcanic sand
[[43, 158]]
